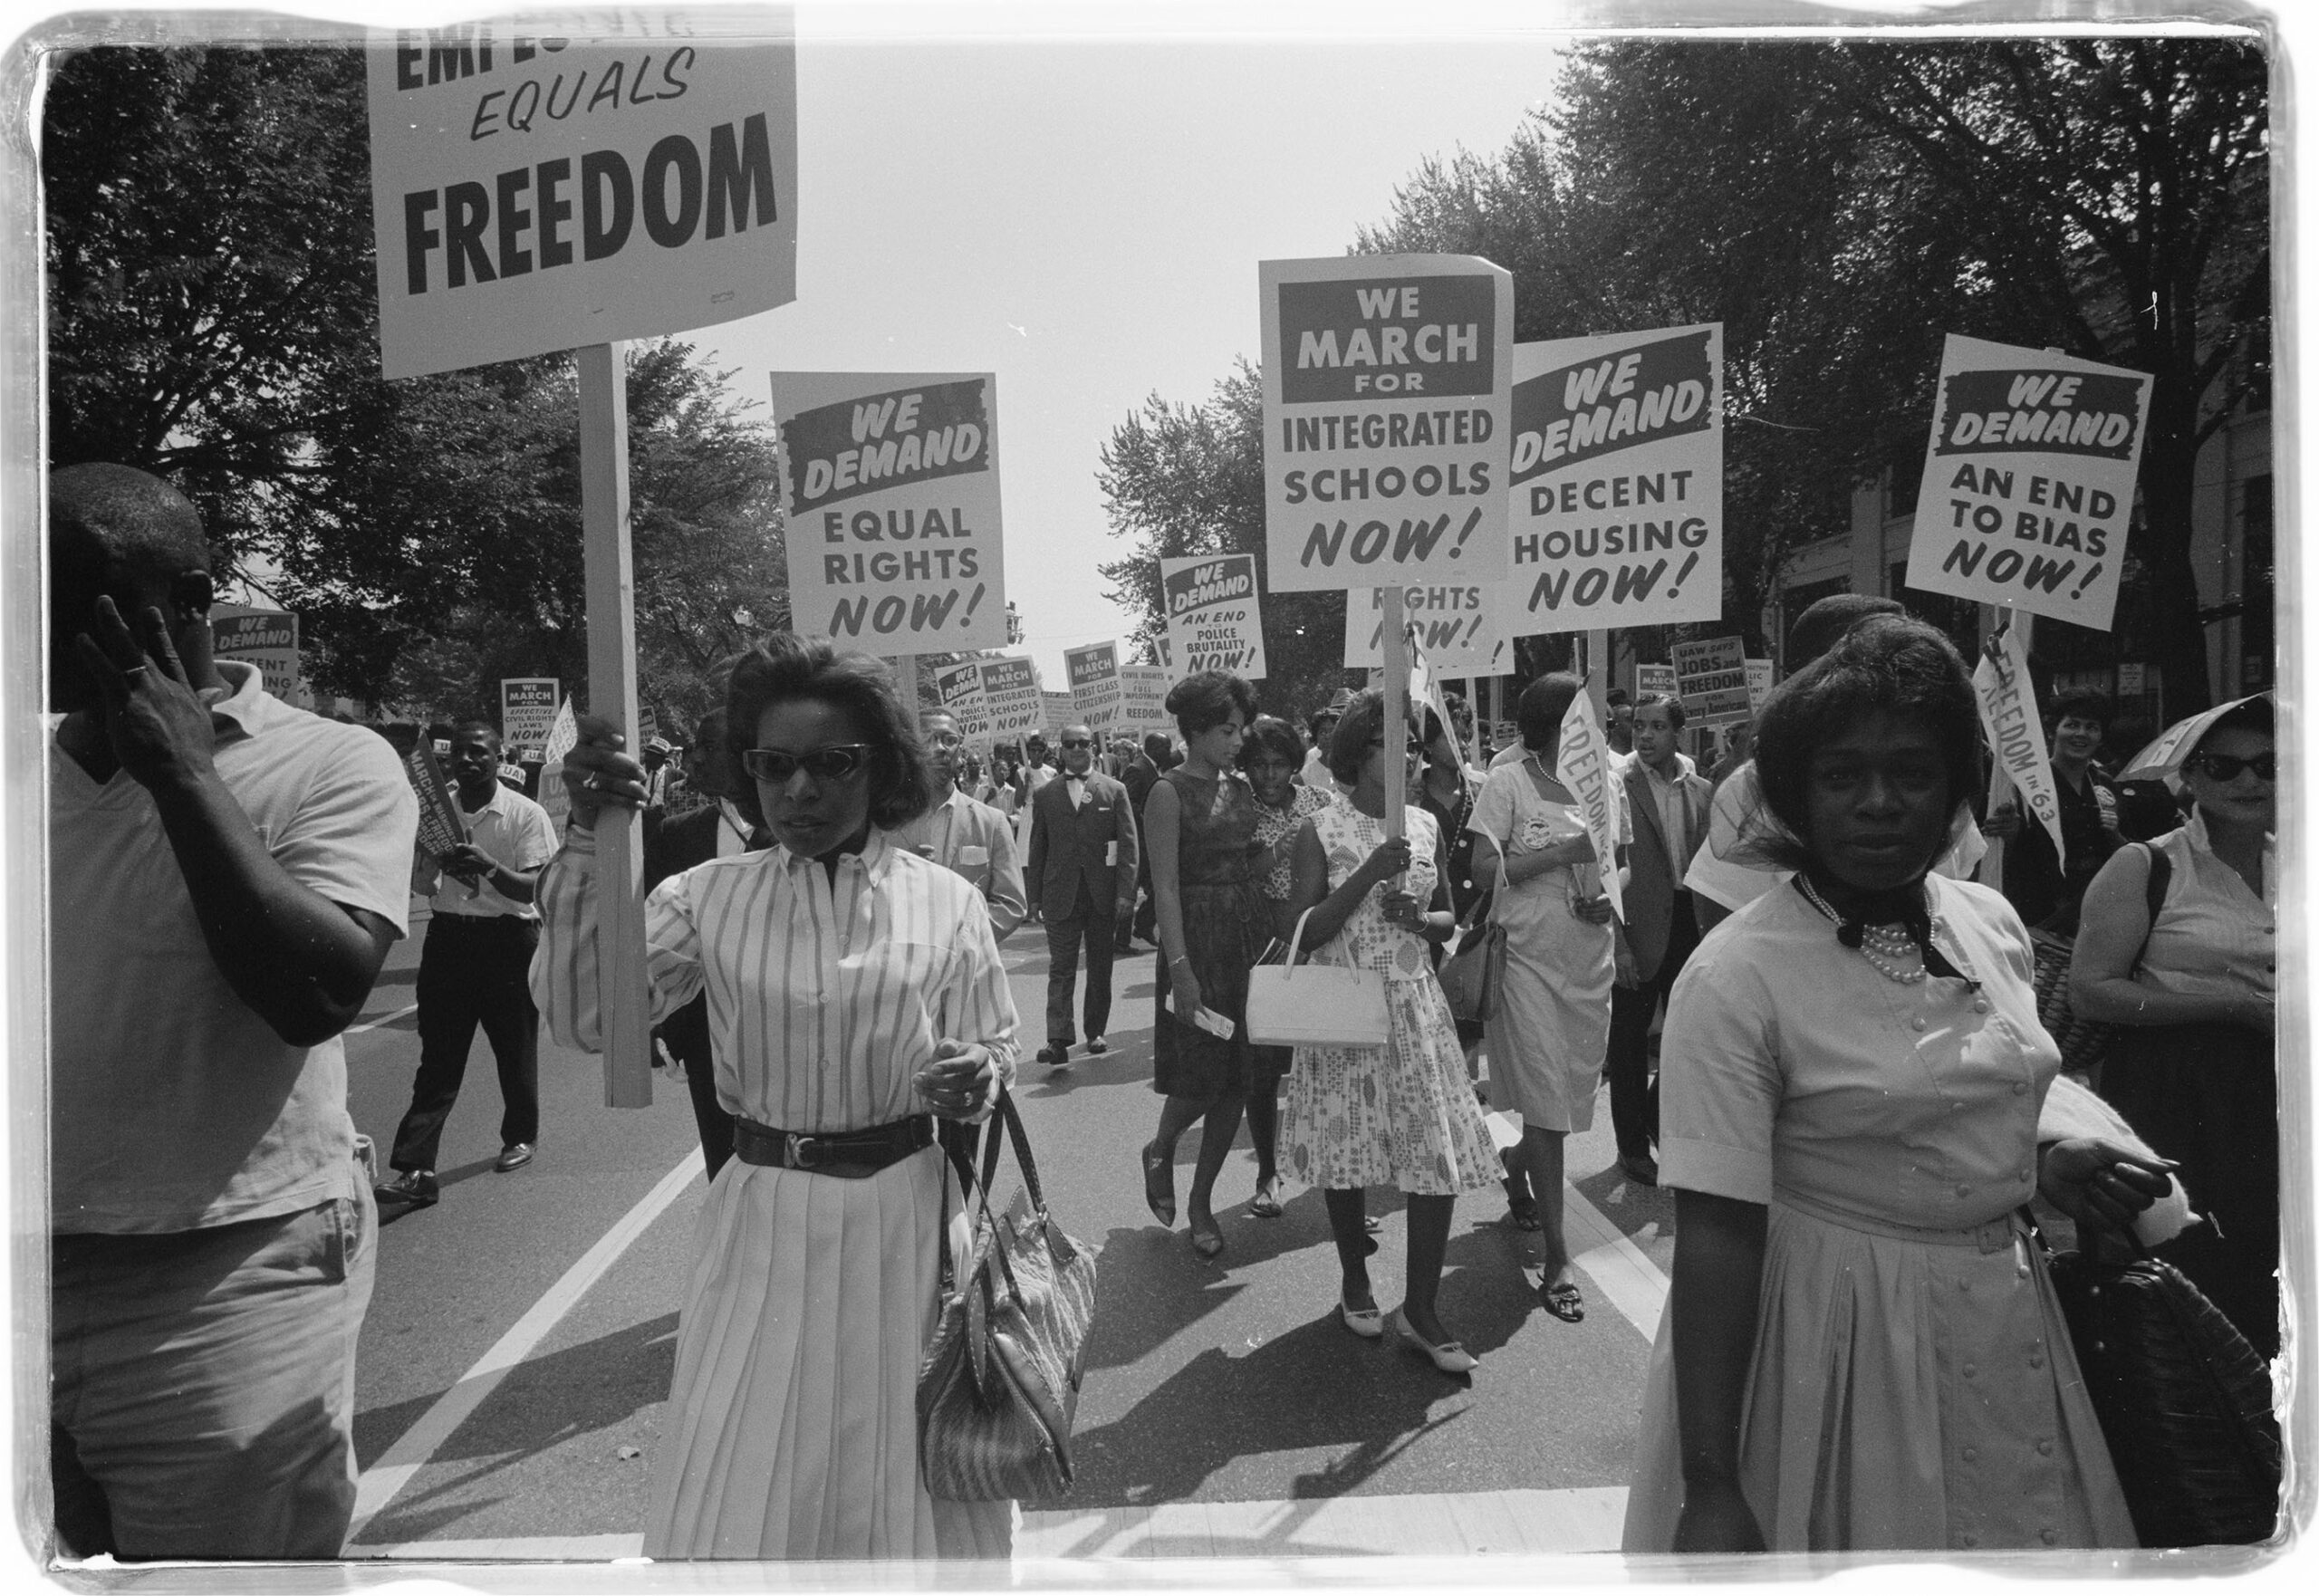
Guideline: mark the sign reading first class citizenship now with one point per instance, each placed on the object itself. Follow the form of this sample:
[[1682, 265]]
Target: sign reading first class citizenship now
[[1386, 384], [532, 192]]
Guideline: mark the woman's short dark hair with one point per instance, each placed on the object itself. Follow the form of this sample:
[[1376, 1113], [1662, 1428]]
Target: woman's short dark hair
[[1886, 663], [1541, 705], [1363, 723], [786, 666], [2255, 714], [2096, 707], [1202, 703], [1271, 735]]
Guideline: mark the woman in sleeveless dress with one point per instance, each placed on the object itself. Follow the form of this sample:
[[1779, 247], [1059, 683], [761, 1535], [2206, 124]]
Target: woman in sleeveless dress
[[1403, 1113], [1200, 825]]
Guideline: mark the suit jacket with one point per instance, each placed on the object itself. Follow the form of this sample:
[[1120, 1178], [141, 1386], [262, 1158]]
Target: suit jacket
[[970, 838], [1141, 776], [671, 848], [1095, 843], [1650, 888]]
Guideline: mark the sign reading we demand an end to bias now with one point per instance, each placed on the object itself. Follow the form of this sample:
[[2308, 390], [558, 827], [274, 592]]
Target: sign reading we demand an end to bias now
[[2029, 481], [533, 191], [1385, 392], [890, 482], [1616, 480]]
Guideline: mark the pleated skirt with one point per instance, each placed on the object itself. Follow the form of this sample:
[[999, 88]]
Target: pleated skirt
[[793, 1422], [1904, 1395]]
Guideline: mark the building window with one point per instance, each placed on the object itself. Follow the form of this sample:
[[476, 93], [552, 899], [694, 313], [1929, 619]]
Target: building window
[[1903, 476], [1960, 617]]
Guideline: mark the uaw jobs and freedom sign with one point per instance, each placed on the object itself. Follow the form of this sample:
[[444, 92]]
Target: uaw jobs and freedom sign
[[533, 192]]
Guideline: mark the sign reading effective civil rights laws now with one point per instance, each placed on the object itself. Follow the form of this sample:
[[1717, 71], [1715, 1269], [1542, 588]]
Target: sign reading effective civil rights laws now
[[1458, 627], [1385, 392], [533, 192], [527, 706], [1098, 697], [2030, 480], [1616, 480], [890, 481], [1215, 622]]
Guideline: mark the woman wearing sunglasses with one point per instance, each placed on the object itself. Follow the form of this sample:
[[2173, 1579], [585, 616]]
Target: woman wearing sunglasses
[[2193, 1071], [854, 996]]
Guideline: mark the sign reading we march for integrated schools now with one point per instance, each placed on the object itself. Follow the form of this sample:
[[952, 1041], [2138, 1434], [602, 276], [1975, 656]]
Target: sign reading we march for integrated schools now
[[533, 192], [1010, 687], [2030, 480], [890, 482], [1385, 394], [1617, 480], [1215, 620]]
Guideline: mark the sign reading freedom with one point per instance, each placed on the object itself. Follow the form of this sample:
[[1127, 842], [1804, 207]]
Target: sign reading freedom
[[531, 193]]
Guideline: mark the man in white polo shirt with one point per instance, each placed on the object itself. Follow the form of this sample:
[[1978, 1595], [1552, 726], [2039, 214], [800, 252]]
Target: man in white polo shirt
[[475, 969], [226, 875]]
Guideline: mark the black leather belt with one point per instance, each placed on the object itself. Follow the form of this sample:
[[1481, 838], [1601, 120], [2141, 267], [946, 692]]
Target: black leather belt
[[850, 1155]]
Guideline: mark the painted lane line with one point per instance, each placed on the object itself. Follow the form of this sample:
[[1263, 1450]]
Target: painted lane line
[[383, 1479], [381, 1020], [1622, 1270]]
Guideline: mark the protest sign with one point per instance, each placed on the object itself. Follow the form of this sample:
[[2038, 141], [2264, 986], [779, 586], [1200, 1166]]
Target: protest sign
[[1010, 688], [960, 688], [1057, 711], [561, 737], [1759, 684], [1712, 677], [1213, 622], [1616, 489], [1583, 765], [1653, 678], [267, 638], [2016, 736], [527, 706], [1385, 393], [890, 482], [1458, 627], [534, 193], [1145, 704], [1097, 696], [2030, 480], [441, 828]]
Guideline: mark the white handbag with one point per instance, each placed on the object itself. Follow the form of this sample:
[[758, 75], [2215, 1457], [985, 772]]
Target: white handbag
[[1314, 1005]]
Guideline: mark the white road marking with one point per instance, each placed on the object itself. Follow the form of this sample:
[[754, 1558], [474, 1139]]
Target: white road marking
[[381, 1020], [381, 1481], [1622, 1270]]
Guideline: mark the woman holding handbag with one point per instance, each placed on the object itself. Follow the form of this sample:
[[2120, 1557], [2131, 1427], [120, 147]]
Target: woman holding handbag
[[1401, 1114], [854, 996], [1272, 754]]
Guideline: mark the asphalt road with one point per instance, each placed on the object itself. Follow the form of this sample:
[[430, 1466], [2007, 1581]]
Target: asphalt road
[[519, 1348]]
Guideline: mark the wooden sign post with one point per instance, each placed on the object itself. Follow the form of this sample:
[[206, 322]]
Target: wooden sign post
[[1395, 643]]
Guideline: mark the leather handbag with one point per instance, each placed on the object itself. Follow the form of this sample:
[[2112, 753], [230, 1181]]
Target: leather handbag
[[998, 1388], [1314, 1005], [1473, 975], [2084, 1043]]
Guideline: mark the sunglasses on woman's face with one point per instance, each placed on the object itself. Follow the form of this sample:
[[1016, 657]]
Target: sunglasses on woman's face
[[2225, 767], [826, 764]]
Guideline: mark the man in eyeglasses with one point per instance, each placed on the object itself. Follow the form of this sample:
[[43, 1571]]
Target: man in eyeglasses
[[1081, 884], [2046, 889], [964, 836]]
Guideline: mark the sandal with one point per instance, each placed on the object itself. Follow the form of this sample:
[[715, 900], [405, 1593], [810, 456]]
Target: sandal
[[1159, 1184], [1522, 1213], [1265, 1204], [1561, 1300]]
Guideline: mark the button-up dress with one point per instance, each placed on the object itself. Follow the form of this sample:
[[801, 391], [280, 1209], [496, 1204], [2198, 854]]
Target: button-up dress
[[1913, 1385], [792, 1428]]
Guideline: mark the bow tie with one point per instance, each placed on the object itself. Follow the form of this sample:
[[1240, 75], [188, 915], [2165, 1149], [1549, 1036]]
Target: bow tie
[[1069, 777]]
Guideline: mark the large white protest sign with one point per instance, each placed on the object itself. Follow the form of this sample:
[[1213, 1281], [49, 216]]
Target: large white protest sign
[[1762, 676], [531, 192], [890, 482], [527, 706], [1097, 696], [1385, 390], [2016, 736], [1583, 765], [1010, 687], [1214, 622], [562, 733], [267, 638], [2030, 480], [1616, 482], [1057, 711], [960, 688], [1712, 677], [1145, 705], [1458, 627]]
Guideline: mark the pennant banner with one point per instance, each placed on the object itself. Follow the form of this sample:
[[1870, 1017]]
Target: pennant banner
[[2016, 736], [1583, 764]]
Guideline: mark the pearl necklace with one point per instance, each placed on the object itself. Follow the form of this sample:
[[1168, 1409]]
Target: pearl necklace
[[1883, 947]]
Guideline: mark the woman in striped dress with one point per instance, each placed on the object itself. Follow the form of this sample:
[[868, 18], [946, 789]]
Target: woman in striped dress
[[854, 993]]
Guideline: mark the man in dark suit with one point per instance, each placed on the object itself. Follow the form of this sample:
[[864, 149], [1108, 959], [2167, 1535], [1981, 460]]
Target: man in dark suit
[[1142, 774], [729, 825], [1669, 802], [1081, 881]]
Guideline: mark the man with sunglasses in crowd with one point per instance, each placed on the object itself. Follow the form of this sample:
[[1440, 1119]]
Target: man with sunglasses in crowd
[[963, 835], [1081, 884], [2044, 887]]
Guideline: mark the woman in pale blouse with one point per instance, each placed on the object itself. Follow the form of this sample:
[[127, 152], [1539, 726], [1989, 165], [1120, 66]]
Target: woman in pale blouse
[[854, 993]]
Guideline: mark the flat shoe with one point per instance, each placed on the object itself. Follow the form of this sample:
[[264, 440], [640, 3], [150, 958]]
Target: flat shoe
[[1447, 1356], [1159, 1184], [1371, 1223], [1561, 1300], [1207, 1243], [513, 1155], [1265, 1204], [1369, 1323]]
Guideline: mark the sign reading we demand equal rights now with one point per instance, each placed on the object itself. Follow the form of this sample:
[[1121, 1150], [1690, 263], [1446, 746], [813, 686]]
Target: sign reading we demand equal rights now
[[533, 193], [1385, 390], [2030, 480], [890, 482]]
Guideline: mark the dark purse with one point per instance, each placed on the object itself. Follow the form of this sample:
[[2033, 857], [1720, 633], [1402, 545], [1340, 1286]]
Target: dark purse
[[1474, 975], [2184, 1402], [998, 1388]]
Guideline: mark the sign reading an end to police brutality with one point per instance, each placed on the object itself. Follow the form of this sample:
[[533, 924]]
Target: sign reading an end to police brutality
[[1215, 622], [1616, 484], [533, 193], [890, 482], [2030, 480], [1386, 380]]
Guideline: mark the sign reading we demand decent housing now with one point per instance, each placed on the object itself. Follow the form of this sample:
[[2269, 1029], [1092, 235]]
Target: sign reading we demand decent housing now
[[533, 193], [890, 482], [1385, 392], [2030, 480]]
